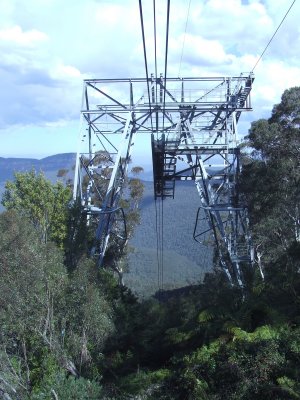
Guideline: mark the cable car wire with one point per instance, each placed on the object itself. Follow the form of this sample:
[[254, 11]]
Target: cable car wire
[[166, 61], [145, 58], [164, 108], [157, 212], [186, 24], [273, 35]]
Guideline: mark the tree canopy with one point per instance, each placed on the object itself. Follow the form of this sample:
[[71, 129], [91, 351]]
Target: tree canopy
[[75, 333], [271, 180], [45, 204]]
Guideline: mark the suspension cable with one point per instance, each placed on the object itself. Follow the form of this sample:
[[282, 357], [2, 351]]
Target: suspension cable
[[155, 56], [186, 24], [154, 28], [273, 36], [157, 245], [145, 58], [166, 61], [157, 212], [162, 242], [164, 108]]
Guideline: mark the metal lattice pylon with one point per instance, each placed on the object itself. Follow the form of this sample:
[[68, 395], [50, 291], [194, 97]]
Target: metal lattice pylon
[[193, 125]]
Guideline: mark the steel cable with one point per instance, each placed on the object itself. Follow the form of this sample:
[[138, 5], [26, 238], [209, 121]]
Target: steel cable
[[164, 107], [186, 24], [145, 57], [273, 35]]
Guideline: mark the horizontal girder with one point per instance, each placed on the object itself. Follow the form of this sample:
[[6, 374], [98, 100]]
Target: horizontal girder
[[193, 123]]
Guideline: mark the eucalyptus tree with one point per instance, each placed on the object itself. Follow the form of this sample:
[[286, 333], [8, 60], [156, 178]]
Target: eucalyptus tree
[[53, 324], [44, 203], [271, 180], [32, 284]]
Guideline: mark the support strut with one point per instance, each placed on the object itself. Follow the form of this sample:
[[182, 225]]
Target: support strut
[[193, 127]]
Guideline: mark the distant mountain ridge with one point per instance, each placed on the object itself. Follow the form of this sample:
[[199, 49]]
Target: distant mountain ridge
[[49, 165], [185, 261]]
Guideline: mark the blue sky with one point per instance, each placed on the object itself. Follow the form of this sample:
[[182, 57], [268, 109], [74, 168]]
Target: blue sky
[[47, 47]]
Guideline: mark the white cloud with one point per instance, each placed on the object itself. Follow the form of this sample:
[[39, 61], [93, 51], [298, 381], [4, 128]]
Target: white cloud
[[270, 85], [200, 50], [15, 35], [238, 26], [48, 46], [65, 72]]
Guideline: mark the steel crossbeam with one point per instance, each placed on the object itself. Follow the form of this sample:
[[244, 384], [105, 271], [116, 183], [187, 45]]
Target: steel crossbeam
[[193, 123]]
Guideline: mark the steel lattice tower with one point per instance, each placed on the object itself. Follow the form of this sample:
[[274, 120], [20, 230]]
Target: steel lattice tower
[[193, 127]]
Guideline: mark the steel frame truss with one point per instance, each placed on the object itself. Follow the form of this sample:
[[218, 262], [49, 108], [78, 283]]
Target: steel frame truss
[[193, 124]]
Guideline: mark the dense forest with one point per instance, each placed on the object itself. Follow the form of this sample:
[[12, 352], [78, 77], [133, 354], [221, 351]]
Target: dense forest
[[71, 331], [185, 260]]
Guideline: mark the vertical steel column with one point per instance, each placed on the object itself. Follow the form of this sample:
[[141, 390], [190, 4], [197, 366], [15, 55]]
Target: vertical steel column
[[197, 141]]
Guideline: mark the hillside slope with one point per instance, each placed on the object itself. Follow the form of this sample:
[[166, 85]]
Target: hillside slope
[[179, 217], [49, 165], [185, 261]]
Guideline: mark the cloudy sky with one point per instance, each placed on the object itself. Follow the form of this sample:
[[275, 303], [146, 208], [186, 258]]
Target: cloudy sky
[[47, 47]]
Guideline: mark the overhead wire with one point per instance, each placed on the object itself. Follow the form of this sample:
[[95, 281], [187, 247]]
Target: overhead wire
[[155, 42], [183, 43], [157, 211], [155, 59], [166, 61], [162, 242], [164, 109], [157, 245], [262, 54], [145, 58], [150, 109]]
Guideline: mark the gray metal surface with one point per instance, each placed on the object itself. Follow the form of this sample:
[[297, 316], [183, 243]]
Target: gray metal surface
[[193, 124]]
